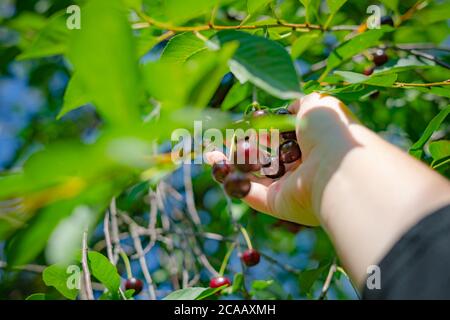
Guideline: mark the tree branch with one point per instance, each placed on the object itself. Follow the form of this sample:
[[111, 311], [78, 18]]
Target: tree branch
[[86, 273]]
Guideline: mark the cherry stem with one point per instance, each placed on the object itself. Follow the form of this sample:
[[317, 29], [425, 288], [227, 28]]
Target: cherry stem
[[226, 258], [126, 261], [246, 237]]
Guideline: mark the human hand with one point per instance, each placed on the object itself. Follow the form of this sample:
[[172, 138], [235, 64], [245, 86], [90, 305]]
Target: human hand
[[321, 129]]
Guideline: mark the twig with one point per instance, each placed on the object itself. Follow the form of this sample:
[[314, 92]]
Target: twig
[[190, 202], [432, 84], [86, 273], [424, 55], [108, 243], [327, 282], [284, 266], [115, 231], [143, 262]]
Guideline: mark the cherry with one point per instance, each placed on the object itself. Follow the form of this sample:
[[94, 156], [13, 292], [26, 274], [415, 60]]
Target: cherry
[[387, 20], [374, 95], [282, 111], [274, 173], [368, 71], [246, 152], [290, 135], [250, 257], [135, 284], [220, 171], [237, 185], [219, 281], [289, 151], [380, 57]]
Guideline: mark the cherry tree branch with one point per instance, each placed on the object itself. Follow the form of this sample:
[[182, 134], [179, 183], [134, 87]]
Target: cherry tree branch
[[86, 273]]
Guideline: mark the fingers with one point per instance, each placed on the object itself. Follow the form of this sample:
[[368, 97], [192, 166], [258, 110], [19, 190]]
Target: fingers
[[257, 198]]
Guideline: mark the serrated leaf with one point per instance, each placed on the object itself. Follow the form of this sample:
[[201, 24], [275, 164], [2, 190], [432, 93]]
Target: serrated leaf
[[182, 47], [263, 62], [417, 148], [335, 5], [104, 56], [58, 277], [104, 271]]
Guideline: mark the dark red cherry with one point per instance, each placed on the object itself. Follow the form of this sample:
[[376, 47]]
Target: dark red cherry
[[289, 151], [387, 20], [246, 156], [290, 135], [380, 57], [218, 282], [368, 71], [274, 170], [250, 257], [135, 284], [237, 185], [221, 170]]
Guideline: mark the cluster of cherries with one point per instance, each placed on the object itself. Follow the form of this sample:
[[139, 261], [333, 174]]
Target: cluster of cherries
[[235, 177]]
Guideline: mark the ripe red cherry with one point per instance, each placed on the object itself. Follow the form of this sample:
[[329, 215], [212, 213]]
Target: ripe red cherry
[[250, 257], [237, 185], [218, 282], [380, 57], [290, 151], [220, 171], [274, 172], [246, 156], [368, 71], [135, 284]]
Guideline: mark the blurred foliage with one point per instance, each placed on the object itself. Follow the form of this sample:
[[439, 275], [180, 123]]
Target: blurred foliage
[[87, 115]]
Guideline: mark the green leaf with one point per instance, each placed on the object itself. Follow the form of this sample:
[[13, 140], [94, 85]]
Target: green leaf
[[254, 5], [65, 240], [238, 282], [180, 11], [58, 276], [376, 80], [417, 148], [350, 48], [104, 57], [390, 4], [195, 80], [434, 13], [312, 9], [182, 47], [104, 271], [261, 284], [186, 294], [237, 94], [335, 5], [74, 96], [307, 278], [37, 296], [439, 149], [302, 43], [404, 64], [129, 293], [51, 40], [263, 62]]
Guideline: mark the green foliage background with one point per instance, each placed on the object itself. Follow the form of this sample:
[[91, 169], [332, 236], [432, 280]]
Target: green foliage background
[[137, 70]]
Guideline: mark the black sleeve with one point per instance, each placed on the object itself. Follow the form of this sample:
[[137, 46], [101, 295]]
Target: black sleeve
[[418, 265]]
